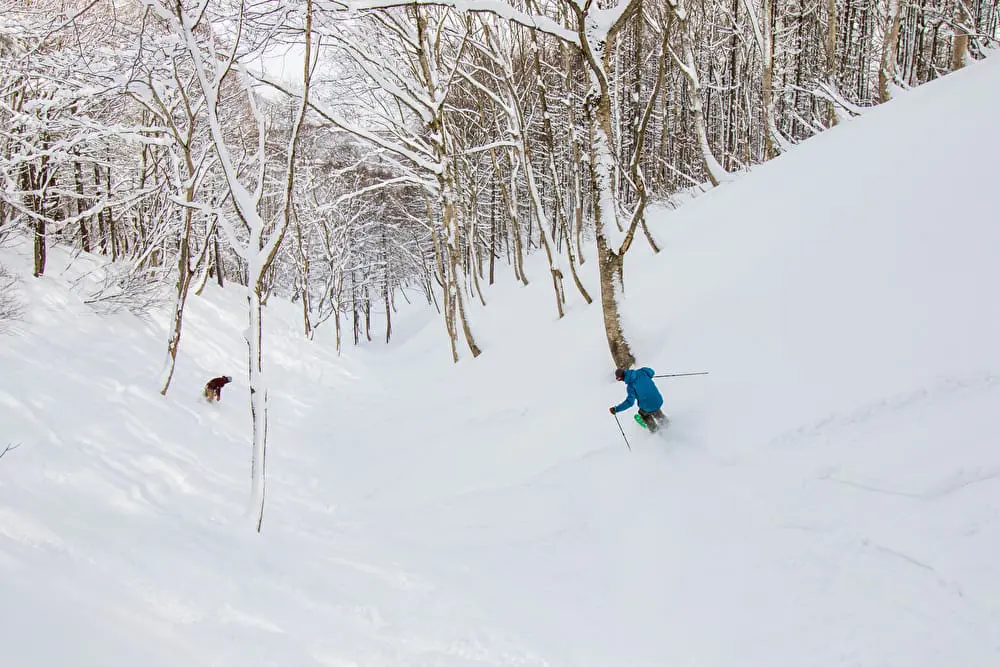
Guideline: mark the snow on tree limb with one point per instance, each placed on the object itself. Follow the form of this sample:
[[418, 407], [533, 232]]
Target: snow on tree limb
[[498, 8]]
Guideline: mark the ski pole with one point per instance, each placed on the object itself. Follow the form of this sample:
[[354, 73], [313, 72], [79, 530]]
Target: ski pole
[[623, 432], [679, 375]]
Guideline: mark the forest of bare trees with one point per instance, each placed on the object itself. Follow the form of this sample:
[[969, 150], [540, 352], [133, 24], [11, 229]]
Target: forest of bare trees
[[346, 154]]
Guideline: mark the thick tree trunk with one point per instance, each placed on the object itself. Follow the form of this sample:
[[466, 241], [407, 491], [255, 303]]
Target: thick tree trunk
[[611, 290], [602, 175], [890, 49], [610, 263], [960, 41]]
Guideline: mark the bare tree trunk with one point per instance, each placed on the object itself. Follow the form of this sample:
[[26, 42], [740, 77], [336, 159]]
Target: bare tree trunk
[[184, 274], [475, 283], [258, 399], [303, 268], [219, 264], [263, 257], [890, 48], [368, 315], [831, 58], [40, 253], [388, 309], [611, 291], [576, 191], [112, 231], [602, 173], [960, 41], [338, 292], [356, 321], [610, 263], [102, 232], [731, 129], [451, 224], [493, 230], [203, 268], [30, 185], [767, 79], [81, 205], [447, 287]]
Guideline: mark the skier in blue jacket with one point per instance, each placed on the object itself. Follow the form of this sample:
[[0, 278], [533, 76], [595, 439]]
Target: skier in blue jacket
[[641, 389]]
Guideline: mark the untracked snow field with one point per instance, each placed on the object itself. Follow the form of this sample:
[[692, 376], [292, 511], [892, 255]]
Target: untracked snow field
[[829, 495]]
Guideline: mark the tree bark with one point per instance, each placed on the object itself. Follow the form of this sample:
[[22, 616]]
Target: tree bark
[[219, 264], [32, 201], [767, 79], [184, 274], [831, 58], [960, 41], [602, 173], [890, 49], [81, 205], [611, 265]]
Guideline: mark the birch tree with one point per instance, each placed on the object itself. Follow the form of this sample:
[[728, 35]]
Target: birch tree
[[890, 48], [163, 82], [194, 30], [960, 42]]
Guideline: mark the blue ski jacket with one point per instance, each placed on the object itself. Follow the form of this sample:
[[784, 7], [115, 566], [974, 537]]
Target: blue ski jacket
[[641, 388]]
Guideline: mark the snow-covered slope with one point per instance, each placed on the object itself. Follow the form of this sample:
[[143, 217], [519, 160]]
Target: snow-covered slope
[[828, 495]]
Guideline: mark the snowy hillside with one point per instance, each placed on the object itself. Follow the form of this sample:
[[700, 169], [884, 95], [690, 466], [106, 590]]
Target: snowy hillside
[[828, 495]]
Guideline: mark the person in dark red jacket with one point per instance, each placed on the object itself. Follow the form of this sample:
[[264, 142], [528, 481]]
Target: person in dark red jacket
[[213, 388], [641, 389]]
